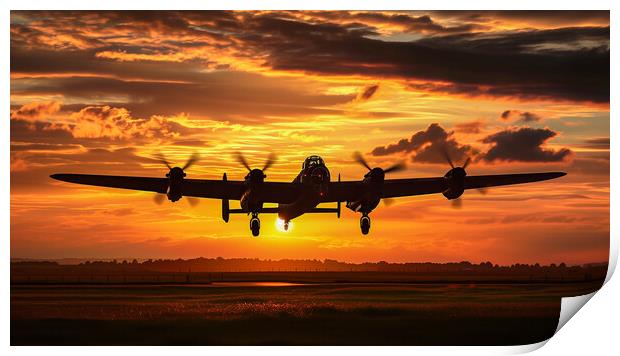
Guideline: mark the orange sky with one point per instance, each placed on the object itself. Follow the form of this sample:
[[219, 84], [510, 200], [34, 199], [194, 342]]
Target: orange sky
[[103, 92]]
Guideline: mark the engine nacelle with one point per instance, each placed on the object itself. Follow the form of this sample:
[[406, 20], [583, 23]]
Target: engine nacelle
[[451, 193], [365, 205], [225, 204], [455, 182], [373, 185], [175, 184], [250, 200]]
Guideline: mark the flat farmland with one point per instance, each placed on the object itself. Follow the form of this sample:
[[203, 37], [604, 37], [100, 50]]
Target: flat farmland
[[281, 313]]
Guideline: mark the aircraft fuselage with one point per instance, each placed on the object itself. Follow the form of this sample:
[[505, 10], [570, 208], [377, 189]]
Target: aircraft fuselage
[[314, 177]]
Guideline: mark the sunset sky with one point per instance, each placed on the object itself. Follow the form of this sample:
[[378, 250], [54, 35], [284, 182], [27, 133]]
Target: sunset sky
[[103, 92]]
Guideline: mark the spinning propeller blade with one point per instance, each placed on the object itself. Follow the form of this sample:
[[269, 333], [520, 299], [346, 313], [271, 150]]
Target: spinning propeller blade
[[388, 201], [190, 162], [360, 159], [446, 155], [397, 167], [192, 201], [159, 198], [241, 159], [271, 159], [160, 157], [467, 162], [457, 203], [400, 166]]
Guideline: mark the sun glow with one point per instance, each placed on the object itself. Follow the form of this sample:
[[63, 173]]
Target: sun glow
[[280, 225]]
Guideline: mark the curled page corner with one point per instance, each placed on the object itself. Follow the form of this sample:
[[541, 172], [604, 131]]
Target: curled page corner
[[613, 259], [570, 306], [523, 349]]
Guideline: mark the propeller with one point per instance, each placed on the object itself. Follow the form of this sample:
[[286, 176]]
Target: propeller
[[388, 201], [397, 167], [160, 157], [192, 201], [159, 198], [447, 157], [190, 162], [195, 157], [360, 159], [241, 159], [458, 202], [271, 159]]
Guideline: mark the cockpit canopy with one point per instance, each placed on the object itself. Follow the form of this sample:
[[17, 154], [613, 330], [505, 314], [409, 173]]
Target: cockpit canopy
[[313, 161]]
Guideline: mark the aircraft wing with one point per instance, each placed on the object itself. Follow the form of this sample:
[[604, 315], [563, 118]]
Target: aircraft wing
[[157, 185], [393, 188], [476, 182], [272, 192], [281, 192]]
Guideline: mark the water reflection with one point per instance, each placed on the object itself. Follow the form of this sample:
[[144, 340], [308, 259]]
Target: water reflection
[[255, 284]]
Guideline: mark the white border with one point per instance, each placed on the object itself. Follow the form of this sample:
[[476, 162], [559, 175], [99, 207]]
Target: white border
[[594, 329]]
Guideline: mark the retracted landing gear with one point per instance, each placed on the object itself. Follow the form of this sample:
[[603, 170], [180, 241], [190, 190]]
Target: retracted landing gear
[[255, 224], [365, 224]]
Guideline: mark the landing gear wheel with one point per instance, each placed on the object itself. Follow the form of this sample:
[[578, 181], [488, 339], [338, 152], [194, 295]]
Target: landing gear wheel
[[365, 224], [286, 226], [255, 225]]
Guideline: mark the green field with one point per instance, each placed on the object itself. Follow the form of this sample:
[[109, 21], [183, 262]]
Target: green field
[[268, 314]]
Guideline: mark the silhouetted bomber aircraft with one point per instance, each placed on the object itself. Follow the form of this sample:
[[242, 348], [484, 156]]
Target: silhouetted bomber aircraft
[[311, 187]]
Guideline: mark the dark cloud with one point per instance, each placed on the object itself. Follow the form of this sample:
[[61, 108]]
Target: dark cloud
[[529, 117], [487, 69], [83, 29], [190, 143], [506, 114], [472, 127], [428, 146], [555, 17], [597, 143], [45, 61], [36, 110], [523, 91], [523, 116], [408, 23], [250, 98], [368, 92], [28, 147], [568, 63], [434, 133], [524, 144], [552, 41], [39, 132]]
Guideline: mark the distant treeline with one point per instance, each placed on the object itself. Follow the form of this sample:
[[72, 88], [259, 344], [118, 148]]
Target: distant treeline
[[257, 265]]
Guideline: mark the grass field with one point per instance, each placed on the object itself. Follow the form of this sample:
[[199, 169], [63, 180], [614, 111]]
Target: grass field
[[282, 314]]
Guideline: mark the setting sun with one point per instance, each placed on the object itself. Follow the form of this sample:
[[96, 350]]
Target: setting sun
[[280, 225]]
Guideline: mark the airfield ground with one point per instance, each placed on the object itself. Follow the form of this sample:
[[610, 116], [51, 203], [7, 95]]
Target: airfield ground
[[288, 313]]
